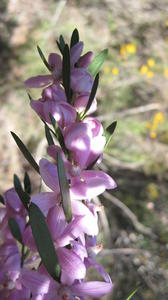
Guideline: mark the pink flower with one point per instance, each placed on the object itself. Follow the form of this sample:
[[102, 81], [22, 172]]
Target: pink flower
[[81, 101], [81, 80], [85, 60], [44, 287], [55, 64], [90, 184], [53, 102], [85, 141]]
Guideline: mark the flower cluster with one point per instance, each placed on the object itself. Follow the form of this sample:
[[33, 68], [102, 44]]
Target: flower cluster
[[48, 240]]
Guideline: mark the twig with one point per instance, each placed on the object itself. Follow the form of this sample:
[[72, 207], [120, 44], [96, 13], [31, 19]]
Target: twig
[[122, 251], [104, 222], [121, 164], [130, 215], [132, 111]]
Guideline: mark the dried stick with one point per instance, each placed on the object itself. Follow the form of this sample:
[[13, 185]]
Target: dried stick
[[130, 215]]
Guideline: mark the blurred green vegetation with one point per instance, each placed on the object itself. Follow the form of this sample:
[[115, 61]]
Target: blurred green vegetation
[[133, 90]]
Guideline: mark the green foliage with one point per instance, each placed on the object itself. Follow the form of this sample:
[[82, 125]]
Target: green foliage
[[24, 197], [44, 241], [25, 152], [15, 230], [132, 294], [66, 72], [64, 188], [92, 95], [97, 62]]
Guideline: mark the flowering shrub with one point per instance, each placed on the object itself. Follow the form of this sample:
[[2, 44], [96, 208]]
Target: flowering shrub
[[48, 240]]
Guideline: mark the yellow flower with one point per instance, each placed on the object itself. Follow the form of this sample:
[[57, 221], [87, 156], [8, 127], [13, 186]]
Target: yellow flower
[[144, 69], [153, 135], [159, 117], [115, 71], [152, 190], [166, 72], [131, 48], [166, 23], [151, 62], [150, 74], [123, 50], [106, 69]]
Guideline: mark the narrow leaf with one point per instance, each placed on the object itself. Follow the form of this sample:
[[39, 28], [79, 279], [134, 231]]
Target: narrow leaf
[[44, 241], [132, 294], [59, 47], [2, 200], [64, 188], [66, 72], [27, 183], [43, 58], [48, 136], [24, 197], [92, 95], [58, 133], [97, 62], [62, 42], [74, 37], [25, 152], [15, 230], [109, 132]]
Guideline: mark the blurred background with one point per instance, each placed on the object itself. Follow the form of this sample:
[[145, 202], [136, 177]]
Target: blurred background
[[133, 90]]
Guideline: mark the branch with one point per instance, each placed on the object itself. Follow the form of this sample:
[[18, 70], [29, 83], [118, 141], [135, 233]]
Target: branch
[[131, 111], [122, 251], [130, 215], [104, 222]]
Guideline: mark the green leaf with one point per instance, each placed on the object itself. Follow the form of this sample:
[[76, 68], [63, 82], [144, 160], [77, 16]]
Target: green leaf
[[44, 241], [74, 37], [66, 72], [25, 152], [97, 62], [92, 95], [64, 188], [27, 183], [2, 200], [109, 132], [15, 230], [132, 294], [48, 135], [43, 58], [59, 47], [24, 197], [62, 42], [58, 133]]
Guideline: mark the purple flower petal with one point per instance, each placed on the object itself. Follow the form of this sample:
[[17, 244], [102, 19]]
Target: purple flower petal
[[37, 106], [90, 184], [45, 201], [81, 80], [36, 282], [38, 81], [12, 200], [95, 289], [75, 52], [77, 140], [56, 221], [80, 104], [55, 63], [49, 174], [88, 224], [72, 267], [85, 60]]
